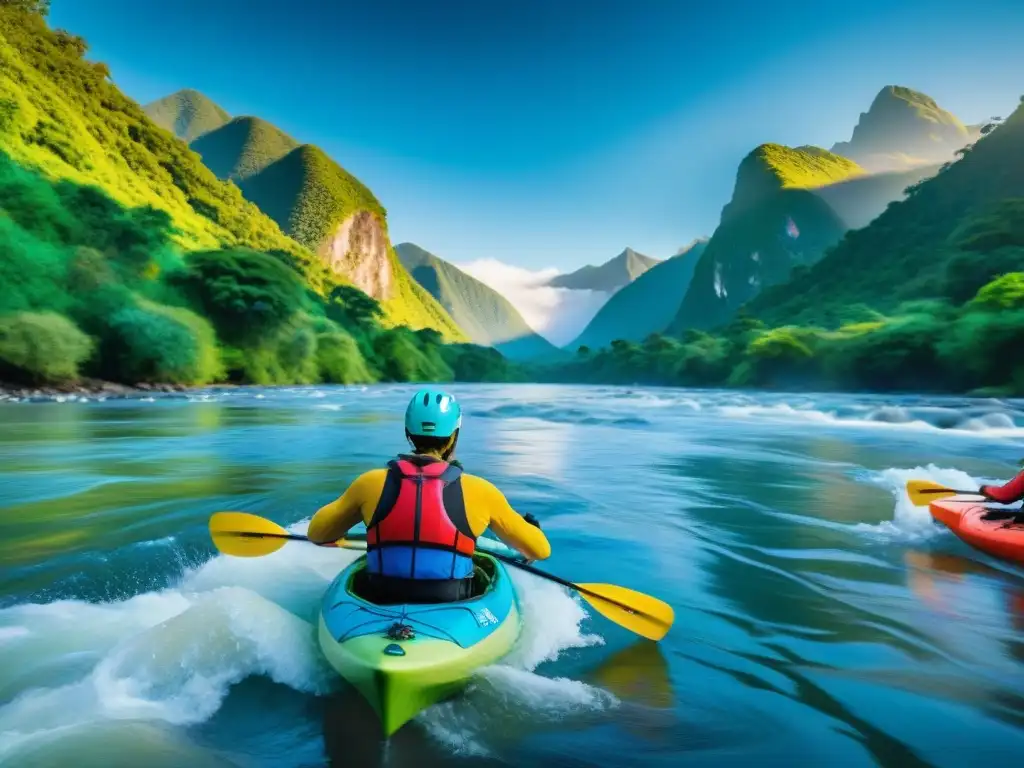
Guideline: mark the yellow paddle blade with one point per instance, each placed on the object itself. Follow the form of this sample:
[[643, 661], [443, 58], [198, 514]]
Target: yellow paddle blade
[[645, 615], [923, 492], [243, 535]]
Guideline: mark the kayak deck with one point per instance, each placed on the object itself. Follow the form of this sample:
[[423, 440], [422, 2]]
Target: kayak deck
[[997, 536], [404, 658]]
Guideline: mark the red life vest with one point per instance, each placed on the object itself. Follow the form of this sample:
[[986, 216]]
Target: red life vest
[[419, 529]]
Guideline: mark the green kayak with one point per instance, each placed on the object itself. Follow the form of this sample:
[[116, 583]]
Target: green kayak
[[404, 658]]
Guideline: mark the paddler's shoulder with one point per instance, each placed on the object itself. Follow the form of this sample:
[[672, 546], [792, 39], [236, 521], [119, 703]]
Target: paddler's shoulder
[[371, 481], [478, 486]]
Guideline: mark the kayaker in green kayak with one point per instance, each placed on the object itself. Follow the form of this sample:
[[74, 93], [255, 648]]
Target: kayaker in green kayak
[[423, 514]]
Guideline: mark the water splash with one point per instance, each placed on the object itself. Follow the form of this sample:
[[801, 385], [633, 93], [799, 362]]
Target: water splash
[[910, 522]]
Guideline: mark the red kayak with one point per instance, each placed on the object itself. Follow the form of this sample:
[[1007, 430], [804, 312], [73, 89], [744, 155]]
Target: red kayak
[[1001, 536]]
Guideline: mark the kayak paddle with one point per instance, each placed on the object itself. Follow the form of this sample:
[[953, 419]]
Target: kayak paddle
[[923, 492], [241, 534]]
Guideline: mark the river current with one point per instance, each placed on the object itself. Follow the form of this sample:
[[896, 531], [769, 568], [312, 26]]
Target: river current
[[820, 619]]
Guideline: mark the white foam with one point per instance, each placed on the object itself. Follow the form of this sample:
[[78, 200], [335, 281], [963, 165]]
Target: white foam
[[552, 623], [504, 701], [885, 417], [171, 656], [910, 522], [14, 633], [511, 692]]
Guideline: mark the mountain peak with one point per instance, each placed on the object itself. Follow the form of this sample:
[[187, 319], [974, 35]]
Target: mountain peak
[[688, 248], [187, 113], [903, 128], [487, 317], [770, 168], [243, 147], [308, 194], [610, 276], [899, 93]]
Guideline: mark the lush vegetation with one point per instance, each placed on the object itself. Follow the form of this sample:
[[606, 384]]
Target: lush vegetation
[[308, 194], [124, 258], [951, 235], [795, 168], [485, 315], [929, 297], [92, 288], [774, 222], [925, 346], [60, 114], [187, 114], [242, 147]]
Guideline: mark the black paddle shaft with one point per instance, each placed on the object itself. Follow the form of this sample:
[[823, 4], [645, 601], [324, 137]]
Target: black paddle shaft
[[504, 558]]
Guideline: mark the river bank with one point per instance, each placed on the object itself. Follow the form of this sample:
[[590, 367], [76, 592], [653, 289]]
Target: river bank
[[91, 388]]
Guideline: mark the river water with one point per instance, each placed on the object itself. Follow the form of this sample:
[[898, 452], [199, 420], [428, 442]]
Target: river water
[[819, 618]]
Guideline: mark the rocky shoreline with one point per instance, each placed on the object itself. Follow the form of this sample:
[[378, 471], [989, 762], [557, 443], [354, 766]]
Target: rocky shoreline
[[85, 388]]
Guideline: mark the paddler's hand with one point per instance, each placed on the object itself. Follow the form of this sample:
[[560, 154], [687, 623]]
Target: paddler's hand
[[531, 520]]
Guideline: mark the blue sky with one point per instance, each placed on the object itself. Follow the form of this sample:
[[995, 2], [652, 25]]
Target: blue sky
[[553, 133]]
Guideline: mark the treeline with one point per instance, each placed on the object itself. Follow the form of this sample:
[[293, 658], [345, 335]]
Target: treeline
[[91, 288], [925, 346]]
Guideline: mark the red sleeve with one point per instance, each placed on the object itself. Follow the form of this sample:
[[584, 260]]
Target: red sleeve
[[1009, 493]]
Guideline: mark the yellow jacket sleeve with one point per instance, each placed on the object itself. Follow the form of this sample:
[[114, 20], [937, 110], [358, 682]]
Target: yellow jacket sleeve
[[356, 505], [487, 507]]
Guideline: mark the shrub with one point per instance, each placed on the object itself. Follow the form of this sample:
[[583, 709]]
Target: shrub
[[41, 348], [1006, 292], [297, 355], [400, 358], [249, 296], [339, 359], [155, 343]]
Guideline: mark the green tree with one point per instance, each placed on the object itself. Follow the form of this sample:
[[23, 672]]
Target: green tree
[[41, 348], [248, 295], [42, 7]]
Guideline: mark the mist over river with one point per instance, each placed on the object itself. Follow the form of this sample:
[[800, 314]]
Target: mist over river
[[820, 620]]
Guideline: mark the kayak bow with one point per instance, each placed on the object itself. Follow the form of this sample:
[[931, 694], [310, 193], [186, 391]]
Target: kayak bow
[[404, 658]]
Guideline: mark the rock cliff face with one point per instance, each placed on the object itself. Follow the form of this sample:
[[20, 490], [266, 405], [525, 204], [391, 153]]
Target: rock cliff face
[[903, 128], [954, 227], [358, 249], [774, 222]]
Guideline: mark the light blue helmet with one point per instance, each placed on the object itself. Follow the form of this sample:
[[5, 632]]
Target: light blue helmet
[[432, 413]]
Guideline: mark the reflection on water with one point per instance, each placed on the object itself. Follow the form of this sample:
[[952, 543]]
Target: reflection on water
[[803, 636]]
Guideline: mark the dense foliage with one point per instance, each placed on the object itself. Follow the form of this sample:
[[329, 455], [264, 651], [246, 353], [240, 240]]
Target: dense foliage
[[924, 346], [243, 147], [952, 234], [91, 288], [187, 114], [60, 114]]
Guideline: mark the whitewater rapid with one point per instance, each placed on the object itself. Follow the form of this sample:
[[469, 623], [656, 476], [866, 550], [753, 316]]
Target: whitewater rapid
[[640, 486], [171, 656]]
